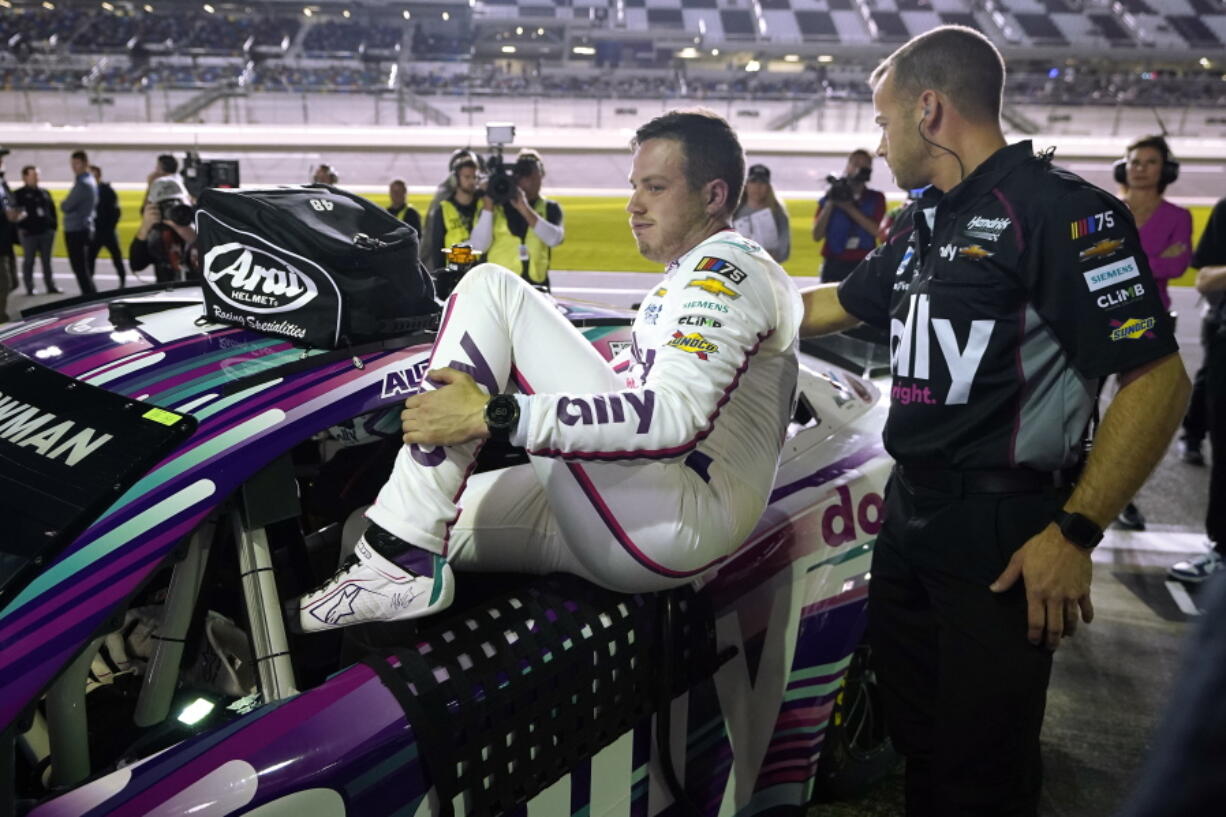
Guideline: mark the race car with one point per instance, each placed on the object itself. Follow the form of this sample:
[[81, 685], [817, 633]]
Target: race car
[[174, 481]]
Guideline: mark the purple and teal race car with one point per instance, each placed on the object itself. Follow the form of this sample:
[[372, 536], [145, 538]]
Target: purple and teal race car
[[174, 481]]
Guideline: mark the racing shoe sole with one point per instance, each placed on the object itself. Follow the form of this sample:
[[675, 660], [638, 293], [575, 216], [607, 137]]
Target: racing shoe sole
[[370, 588]]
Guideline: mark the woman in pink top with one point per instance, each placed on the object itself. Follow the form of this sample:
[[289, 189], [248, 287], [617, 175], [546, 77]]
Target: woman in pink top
[[1166, 229]]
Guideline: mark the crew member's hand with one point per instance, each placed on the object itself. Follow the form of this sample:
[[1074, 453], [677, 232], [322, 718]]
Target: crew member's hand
[[1056, 574], [451, 414], [1175, 250]]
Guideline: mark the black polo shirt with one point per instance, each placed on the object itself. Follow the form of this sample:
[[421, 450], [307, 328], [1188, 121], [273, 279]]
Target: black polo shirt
[[1020, 289]]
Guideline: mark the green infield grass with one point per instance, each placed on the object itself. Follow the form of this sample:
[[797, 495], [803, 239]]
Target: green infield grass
[[597, 234]]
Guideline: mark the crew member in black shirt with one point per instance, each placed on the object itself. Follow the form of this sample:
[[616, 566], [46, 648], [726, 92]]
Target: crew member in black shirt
[[36, 228], [106, 219], [1027, 286]]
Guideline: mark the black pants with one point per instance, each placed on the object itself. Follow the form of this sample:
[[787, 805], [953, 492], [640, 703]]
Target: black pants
[[964, 691], [107, 239], [1196, 421], [834, 270], [1215, 403], [78, 244]]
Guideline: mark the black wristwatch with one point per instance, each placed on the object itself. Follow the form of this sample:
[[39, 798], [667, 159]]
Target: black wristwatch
[[502, 416], [1079, 529]]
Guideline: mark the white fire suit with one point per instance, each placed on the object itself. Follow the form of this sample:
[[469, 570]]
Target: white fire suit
[[645, 473]]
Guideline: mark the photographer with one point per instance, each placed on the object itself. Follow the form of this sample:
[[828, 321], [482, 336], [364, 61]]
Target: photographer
[[166, 169], [848, 217], [521, 231], [452, 221], [166, 238]]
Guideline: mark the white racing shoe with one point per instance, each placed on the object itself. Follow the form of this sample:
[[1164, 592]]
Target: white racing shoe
[[370, 587]]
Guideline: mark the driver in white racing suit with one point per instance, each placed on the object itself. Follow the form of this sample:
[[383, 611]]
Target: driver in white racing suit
[[645, 473]]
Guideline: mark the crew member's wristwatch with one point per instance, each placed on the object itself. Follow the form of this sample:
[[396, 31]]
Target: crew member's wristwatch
[[1079, 529], [502, 416]]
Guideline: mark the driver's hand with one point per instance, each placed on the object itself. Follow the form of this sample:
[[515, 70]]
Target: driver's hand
[[451, 414]]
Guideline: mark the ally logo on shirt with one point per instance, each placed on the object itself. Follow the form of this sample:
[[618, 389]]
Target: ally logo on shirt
[[1112, 274], [911, 353]]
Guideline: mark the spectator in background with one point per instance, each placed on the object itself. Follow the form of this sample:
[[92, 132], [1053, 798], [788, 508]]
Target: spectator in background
[[452, 222], [1165, 228], [8, 233], [325, 174], [847, 218], [521, 234], [106, 220], [1166, 234], [36, 228], [761, 217], [1210, 262], [78, 207], [400, 207]]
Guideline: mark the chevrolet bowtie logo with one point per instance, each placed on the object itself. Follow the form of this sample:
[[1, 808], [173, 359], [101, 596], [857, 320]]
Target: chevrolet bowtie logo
[[715, 287], [1102, 249], [974, 252]]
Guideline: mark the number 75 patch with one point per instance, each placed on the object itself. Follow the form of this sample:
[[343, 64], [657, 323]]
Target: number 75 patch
[[1083, 227]]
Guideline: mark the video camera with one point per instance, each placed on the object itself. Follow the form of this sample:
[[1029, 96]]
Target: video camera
[[201, 174], [840, 186], [501, 178]]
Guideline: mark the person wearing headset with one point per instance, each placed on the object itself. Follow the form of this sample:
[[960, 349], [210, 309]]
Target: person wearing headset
[[1004, 322], [451, 222], [1144, 174], [443, 192]]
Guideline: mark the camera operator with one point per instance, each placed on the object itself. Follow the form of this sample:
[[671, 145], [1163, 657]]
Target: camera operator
[[452, 221], [848, 217], [444, 190], [166, 169], [521, 232], [166, 238]]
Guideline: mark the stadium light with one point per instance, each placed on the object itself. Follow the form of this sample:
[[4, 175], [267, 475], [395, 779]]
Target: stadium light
[[148, 9], [688, 53], [105, 7], [508, 49], [714, 52], [406, 15], [584, 51], [791, 58], [825, 58], [306, 12], [519, 31], [208, 9], [49, 6], [345, 14], [540, 32], [446, 16], [752, 66], [1205, 63]]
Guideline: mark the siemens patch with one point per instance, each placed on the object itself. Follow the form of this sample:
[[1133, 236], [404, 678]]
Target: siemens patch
[[1111, 274]]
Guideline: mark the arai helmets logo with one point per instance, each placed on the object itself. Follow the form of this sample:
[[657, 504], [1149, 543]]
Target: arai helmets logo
[[257, 281]]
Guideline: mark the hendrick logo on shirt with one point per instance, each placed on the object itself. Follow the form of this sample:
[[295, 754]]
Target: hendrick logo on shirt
[[721, 267], [986, 229], [1111, 274], [1133, 329]]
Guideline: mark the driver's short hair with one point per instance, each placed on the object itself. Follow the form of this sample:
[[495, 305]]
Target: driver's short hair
[[957, 61], [709, 144]]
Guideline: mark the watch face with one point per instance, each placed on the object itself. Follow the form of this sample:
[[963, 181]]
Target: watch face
[[501, 411]]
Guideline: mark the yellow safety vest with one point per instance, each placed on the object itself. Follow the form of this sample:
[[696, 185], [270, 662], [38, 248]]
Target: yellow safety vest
[[456, 227], [504, 249]]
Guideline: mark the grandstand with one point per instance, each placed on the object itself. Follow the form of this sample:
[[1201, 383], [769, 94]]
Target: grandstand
[[803, 62]]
